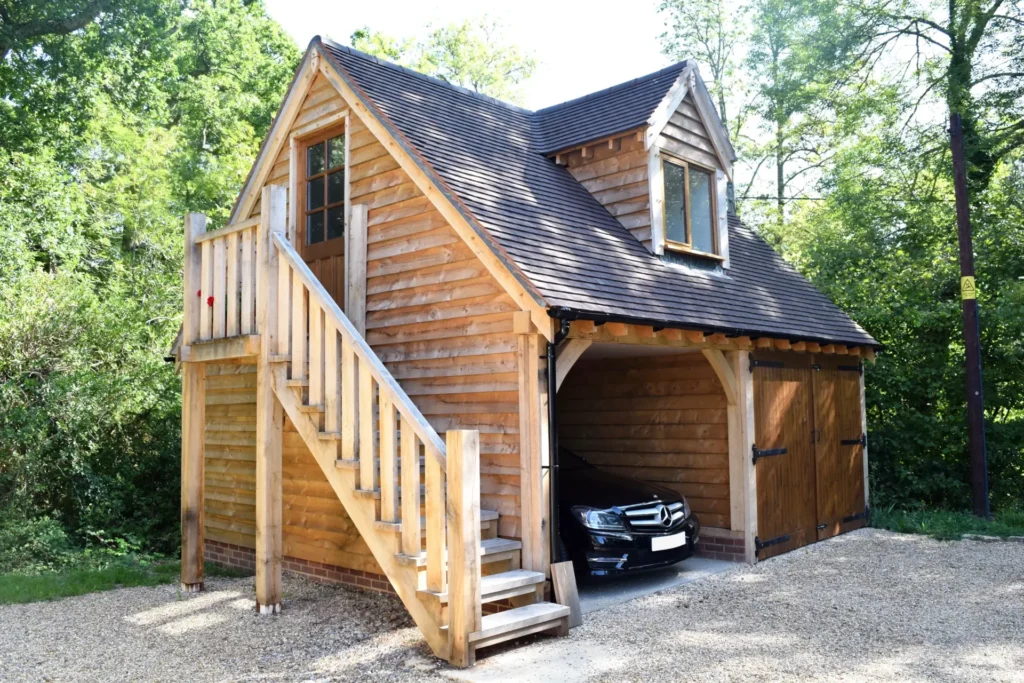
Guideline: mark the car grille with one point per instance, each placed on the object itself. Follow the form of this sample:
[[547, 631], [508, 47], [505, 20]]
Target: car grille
[[654, 516]]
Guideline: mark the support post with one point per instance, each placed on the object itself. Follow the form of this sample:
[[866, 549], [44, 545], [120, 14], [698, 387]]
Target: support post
[[195, 225], [464, 606], [972, 337], [532, 454], [269, 413], [742, 474], [193, 425]]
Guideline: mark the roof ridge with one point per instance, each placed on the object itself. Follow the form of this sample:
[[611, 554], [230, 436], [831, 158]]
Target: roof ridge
[[678, 66], [418, 74]]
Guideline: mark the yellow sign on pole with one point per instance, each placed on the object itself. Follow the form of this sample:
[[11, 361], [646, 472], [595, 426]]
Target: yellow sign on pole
[[967, 290]]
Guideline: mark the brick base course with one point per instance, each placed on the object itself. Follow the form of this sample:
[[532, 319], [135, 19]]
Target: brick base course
[[721, 548], [240, 557]]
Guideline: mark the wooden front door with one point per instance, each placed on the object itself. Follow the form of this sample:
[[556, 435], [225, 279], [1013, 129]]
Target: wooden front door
[[321, 209], [809, 449]]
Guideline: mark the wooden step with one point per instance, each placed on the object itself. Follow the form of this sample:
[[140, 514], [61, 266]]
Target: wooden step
[[297, 383], [494, 587], [521, 621], [343, 464], [313, 408], [329, 436], [375, 493], [491, 550], [280, 358]]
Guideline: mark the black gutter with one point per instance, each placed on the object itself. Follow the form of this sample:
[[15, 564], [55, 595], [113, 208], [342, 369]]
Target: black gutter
[[563, 331], [565, 314]]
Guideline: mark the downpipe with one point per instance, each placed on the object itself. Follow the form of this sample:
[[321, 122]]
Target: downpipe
[[563, 331]]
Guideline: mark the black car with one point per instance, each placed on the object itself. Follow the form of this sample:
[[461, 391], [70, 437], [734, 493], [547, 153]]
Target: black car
[[612, 525]]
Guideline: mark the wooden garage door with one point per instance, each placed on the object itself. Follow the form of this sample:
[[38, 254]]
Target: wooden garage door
[[809, 450], [839, 446], [786, 497]]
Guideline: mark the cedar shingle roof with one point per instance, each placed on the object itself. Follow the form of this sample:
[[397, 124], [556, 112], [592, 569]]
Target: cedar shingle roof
[[488, 157]]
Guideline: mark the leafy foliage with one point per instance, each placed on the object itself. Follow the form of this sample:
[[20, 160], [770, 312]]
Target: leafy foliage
[[111, 132], [471, 53]]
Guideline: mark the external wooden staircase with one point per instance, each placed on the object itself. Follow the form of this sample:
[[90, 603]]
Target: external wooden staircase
[[414, 498]]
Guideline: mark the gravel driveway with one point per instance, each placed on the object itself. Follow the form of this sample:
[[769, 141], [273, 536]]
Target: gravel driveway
[[869, 605]]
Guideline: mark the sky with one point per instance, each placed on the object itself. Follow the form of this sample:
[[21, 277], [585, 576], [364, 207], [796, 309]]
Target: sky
[[580, 46]]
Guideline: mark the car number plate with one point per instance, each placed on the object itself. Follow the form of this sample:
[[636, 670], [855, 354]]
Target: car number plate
[[668, 542]]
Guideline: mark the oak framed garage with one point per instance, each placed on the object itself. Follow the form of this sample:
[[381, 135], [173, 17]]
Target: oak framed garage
[[370, 383]]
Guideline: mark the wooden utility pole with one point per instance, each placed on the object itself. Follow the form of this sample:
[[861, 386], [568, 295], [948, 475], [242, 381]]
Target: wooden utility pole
[[972, 341]]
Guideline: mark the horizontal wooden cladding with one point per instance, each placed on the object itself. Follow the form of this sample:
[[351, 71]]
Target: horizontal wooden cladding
[[660, 419], [315, 525], [439, 320], [616, 174]]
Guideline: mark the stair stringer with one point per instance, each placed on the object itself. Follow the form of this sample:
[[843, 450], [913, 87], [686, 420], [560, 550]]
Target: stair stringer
[[384, 547]]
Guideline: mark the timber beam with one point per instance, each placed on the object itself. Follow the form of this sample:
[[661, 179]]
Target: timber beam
[[628, 333]]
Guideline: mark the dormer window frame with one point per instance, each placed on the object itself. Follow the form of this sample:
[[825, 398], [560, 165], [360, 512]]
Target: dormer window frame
[[687, 246]]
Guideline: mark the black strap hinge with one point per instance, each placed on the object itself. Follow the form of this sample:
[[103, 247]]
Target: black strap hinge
[[758, 453], [862, 441], [860, 515], [858, 368], [760, 545], [765, 364]]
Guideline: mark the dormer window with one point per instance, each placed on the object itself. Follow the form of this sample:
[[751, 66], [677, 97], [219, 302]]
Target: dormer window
[[690, 211]]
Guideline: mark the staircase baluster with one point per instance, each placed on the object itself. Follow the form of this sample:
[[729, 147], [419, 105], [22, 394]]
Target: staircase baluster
[[349, 401], [231, 328], [332, 378], [284, 307], [248, 282], [316, 351], [298, 327], [388, 460], [220, 282], [367, 466], [435, 489], [410, 490]]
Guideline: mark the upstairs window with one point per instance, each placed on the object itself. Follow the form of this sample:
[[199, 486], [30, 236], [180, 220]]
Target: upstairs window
[[689, 207], [325, 190]]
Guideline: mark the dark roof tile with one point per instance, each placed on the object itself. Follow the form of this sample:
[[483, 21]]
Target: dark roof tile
[[489, 155]]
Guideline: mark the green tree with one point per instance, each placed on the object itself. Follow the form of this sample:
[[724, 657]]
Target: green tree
[[110, 133], [473, 54]]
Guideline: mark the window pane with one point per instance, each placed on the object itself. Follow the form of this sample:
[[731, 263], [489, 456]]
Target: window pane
[[336, 187], [335, 222], [701, 220], [314, 194], [336, 152], [675, 202], [315, 227], [315, 159]]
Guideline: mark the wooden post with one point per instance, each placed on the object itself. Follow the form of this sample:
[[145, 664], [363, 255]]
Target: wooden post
[[195, 225], [531, 453], [864, 431], [743, 482], [193, 424], [269, 413], [464, 607], [355, 271]]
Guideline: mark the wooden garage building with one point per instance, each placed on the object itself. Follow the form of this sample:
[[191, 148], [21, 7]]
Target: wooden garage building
[[365, 345]]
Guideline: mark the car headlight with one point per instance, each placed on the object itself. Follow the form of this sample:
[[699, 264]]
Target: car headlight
[[686, 509], [598, 519]]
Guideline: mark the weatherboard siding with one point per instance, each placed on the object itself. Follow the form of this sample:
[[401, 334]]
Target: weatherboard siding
[[435, 316], [315, 526]]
